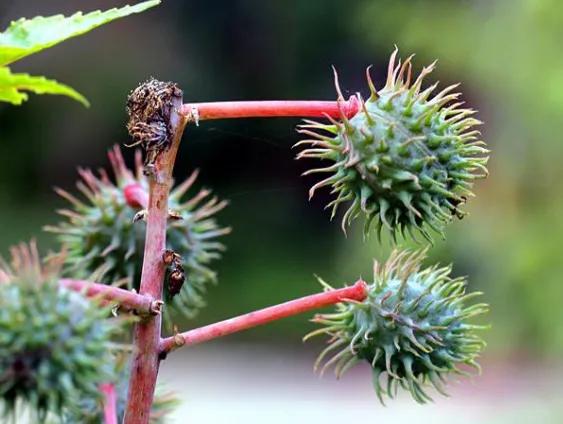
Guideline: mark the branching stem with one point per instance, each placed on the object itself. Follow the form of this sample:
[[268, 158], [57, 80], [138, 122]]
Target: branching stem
[[143, 305], [357, 292], [149, 347], [144, 370], [110, 403], [271, 108]]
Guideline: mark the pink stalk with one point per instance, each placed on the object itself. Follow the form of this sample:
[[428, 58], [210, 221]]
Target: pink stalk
[[110, 403], [143, 305], [149, 347], [271, 108], [357, 292], [144, 370], [136, 196]]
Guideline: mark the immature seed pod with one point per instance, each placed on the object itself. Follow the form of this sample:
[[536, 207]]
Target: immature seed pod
[[412, 328], [102, 241], [405, 160], [55, 345]]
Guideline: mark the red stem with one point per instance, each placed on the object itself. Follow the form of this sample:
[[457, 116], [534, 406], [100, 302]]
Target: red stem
[[110, 403], [147, 334], [271, 108], [143, 305], [356, 292], [136, 196], [144, 370], [147, 341]]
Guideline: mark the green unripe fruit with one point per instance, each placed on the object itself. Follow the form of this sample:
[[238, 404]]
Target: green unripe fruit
[[404, 160], [55, 345], [103, 243], [412, 328]]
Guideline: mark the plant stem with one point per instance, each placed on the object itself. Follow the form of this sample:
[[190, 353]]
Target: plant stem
[[144, 370], [356, 292], [147, 340], [143, 305], [110, 403], [271, 108]]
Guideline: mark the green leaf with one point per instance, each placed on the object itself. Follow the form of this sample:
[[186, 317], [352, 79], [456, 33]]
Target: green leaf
[[27, 36], [12, 87]]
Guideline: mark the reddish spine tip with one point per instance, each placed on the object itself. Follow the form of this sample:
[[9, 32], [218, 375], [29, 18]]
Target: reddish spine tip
[[136, 196], [352, 106]]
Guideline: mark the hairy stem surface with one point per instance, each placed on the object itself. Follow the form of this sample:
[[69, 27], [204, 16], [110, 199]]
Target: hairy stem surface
[[357, 292]]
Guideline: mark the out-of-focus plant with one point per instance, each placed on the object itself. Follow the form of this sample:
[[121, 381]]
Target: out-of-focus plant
[[404, 158], [28, 36], [108, 246]]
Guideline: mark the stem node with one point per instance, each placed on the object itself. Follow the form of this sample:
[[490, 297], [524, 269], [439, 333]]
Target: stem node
[[156, 307]]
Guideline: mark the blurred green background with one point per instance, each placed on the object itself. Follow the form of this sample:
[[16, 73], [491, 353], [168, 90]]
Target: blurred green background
[[507, 54]]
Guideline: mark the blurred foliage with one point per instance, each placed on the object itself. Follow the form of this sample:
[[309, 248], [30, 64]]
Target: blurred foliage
[[505, 52], [28, 36], [12, 87]]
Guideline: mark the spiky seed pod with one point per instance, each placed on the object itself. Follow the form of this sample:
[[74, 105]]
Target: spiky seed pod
[[412, 328], [405, 160], [55, 345], [102, 241], [149, 107]]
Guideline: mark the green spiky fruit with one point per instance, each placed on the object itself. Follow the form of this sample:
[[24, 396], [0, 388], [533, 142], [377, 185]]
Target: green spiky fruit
[[405, 160], [55, 345], [412, 328], [102, 241]]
